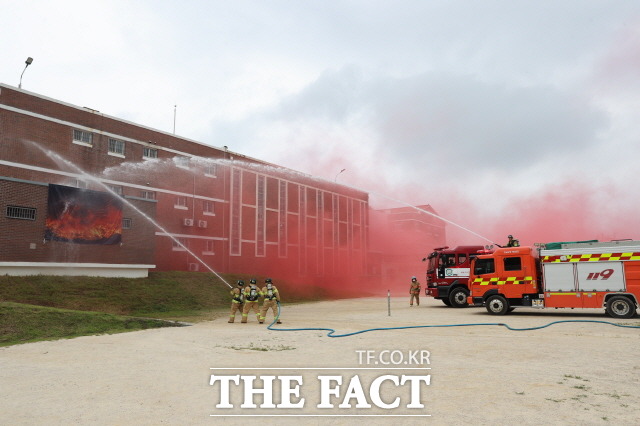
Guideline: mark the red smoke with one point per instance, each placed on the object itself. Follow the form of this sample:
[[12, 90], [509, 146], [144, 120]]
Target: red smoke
[[570, 210]]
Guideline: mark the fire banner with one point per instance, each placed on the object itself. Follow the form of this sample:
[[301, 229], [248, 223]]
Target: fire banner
[[83, 216]]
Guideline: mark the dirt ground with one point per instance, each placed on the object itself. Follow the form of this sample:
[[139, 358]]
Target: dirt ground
[[569, 373]]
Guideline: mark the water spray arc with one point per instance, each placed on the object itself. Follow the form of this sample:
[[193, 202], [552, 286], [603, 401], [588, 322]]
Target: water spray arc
[[92, 178], [267, 169]]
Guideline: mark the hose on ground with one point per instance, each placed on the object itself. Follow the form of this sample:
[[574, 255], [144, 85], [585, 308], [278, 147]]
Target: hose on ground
[[332, 333]]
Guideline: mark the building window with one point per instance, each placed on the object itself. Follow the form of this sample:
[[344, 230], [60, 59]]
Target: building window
[[208, 208], [181, 203], [211, 170], [15, 212], [149, 152], [82, 137], [77, 183], [209, 249], [116, 146], [179, 244], [149, 195], [116, 189], [182, 162], [126, 223]]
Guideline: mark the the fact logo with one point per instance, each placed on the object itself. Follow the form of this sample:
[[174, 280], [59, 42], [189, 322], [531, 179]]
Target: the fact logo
[[362, 387]]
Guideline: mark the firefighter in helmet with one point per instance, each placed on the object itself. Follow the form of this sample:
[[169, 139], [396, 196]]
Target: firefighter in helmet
[[251, 295], [414, 291], [237, 300], [513, 242], [271, 300]]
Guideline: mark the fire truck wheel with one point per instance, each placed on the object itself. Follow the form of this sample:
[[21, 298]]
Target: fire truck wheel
[[446, 302], [620, 307], [458, 298], [497, 305]]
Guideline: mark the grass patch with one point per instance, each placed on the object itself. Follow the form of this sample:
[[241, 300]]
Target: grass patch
[[251, 347], [581, 387], [570, 376], [170, 295], [20, 323], [181, 296]]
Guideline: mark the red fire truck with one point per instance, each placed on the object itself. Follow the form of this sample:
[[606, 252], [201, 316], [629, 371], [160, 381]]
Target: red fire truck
[[448, 274], [575, 275]]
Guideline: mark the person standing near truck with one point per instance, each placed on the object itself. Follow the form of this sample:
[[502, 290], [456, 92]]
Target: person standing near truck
[[414, 291]]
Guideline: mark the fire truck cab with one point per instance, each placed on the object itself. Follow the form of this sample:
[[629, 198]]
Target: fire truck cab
[[577, 275], [448, 274]]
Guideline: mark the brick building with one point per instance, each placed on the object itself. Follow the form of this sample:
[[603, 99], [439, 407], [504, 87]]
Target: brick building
[[186, 205]]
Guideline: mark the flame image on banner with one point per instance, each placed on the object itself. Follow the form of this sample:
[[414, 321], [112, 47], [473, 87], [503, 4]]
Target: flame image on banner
[[83, 216]]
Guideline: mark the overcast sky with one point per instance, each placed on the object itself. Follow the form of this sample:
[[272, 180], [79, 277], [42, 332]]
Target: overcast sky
[[511, 116]]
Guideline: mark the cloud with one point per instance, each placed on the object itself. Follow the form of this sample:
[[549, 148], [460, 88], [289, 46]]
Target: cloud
[[471, 107], [431, 124]]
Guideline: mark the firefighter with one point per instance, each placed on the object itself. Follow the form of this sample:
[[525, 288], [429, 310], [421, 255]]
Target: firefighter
[[513, 242], [414, 291], [251, 295], [271, 300], [237, 300]]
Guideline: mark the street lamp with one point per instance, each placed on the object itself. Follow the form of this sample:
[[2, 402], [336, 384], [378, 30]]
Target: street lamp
[[28, 62], [336, 178]]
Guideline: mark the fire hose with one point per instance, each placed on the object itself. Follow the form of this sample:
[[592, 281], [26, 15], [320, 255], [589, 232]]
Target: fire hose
[[332, 332]]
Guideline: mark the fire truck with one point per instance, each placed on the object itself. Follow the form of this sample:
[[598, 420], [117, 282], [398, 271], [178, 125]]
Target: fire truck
[[448, 274], [559, 275]]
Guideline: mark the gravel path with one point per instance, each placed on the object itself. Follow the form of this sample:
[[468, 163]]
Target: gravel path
[[575, 373]]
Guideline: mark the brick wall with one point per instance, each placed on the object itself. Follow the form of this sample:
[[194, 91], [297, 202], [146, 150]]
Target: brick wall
[[22, 240], [308, 240]]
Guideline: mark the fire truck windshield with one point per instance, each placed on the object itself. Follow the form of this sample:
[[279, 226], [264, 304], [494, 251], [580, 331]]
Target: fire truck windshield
[[433, 262]]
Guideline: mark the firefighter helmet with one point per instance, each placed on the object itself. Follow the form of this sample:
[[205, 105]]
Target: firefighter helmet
[[252, 281], [240, 283], [414, 279], [268, 280]]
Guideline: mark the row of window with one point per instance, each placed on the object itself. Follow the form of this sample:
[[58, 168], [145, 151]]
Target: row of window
[[17, 212], [29, 213], [181, 244], [487, 266], [117, 147], [207, 206]]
